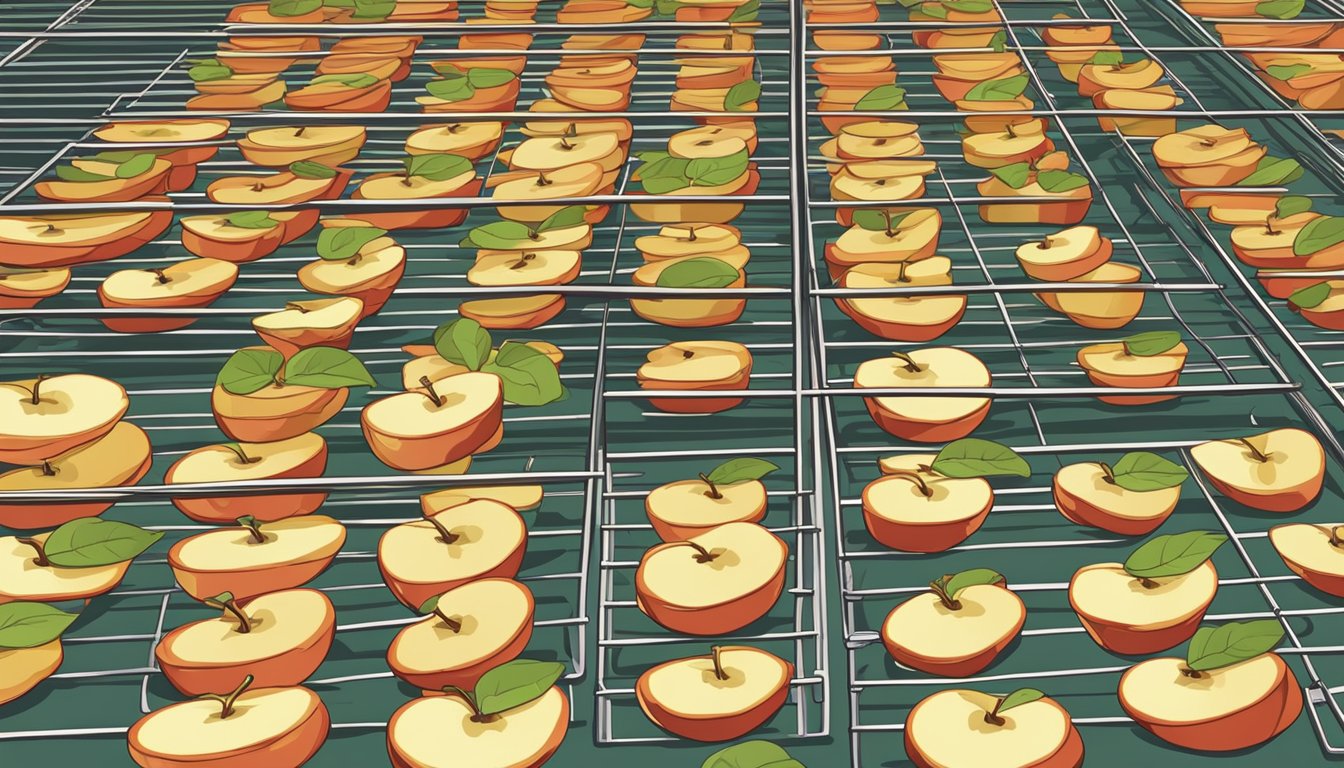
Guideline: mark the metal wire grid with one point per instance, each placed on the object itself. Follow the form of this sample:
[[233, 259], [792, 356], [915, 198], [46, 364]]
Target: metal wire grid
[[1235, 371]]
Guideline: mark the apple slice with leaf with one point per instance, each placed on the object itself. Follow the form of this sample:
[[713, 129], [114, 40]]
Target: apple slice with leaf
[[930, 503], [566, 229], [958, 627], [457, 84], [355, 260], [1131, 498], [1023, 728], [1155, 599], [79, 560], [259, 396], [30, 645], [731, 492], [1321, 304]]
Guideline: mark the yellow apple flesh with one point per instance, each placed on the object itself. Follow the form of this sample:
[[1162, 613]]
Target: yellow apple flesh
[[121, 457], [293, 552], [1083, 495], [926, 418], [1285, 476], [493, 625], [949, 728], [41, 419], [439, 732], [899, 515], [271, 726]]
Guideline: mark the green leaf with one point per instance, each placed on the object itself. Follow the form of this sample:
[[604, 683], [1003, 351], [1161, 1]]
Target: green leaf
[[489, 78], [736, 471], [430, 605], [711, 171], [498, 235], [1234, 642], [1150, 343], [209, 70], [350, 79], [1141, 471], [872, 219], [639, 3], [136, 165], [307, 169], [92, 541], [438, 167], [374, 9], [699, 272], [219, 601], [1319, 234], [293, 7], [71, 173], [1280, 9], [1173, 555], [747, 11], [999, 90], [464, 342], [751, 754], [28, 625], [954, 584], [1290, 205], [1107, 58], [530, 377], [449, 70], [1287, 71], [999, 42], [934, 10], [666, 7], [340, 243], [969, 6], [328, 368], [973, 457], [1273, 172], [515, 683], [1015, 175], [251, 220], [1018, 698], [248, 370], [569, 216], [1060, 181], [665, 184], [741, 94], [1311, 296], [451, 89], [881, 99]]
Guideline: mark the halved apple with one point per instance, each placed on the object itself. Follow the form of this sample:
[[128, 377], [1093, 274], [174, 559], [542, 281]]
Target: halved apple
[[1100, 309], [480, 539], [961, 727], [1112, 364], [1087, 493], [954, 631], [186, 283], [1277, 471], [37, 242], [926, 418], [688, 313], [283, 146], [304, 456], [1135, 615], [473, 140], [470, 629], [44, 417], [696, 365], [723, 696], [311, 323], [255, 558], [119, 458], [232, 237], [913, 509], [434, 427], [370, 275], [1314, 552], [915, 318], [1065, 255], [25, 288]]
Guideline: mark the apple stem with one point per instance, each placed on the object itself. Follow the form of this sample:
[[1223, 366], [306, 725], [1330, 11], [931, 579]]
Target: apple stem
[[917, 480], [542, 181], [910, 364], [37, 388], [992, 716], [301, 130], [713, 491], [41, 559], [243, 457], [159, 275], [690, 234], [900, 272], [453, 624], [1011, 133], [231, 607], [1191, 673], [258, 187], [48, 470], [431, 394], [523, 261], [716, 653], [1148, 583], [939, 588], [1269, 225], [1333, 532], [687, 354], [254, 526], [1108, 474], [1255, 452], [702, 555], [476, 716], [227, 701], [446, 536], [1046, 243]]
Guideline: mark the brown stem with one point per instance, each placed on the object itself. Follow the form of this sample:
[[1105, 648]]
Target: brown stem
[[1046, 243], [430, 393], [1148, 583], [453, 624], [690, 234], [41, 559], [910, 364], [916, 479], [1191, 673], [687, 354], [301, 130], [1256, 452], [297, 307], [238, 451], [159, 276], [716, 653], [258, 187], [446, 536], [523, 261], [37, 388], [1107, 473], [1332, 531], [702, 555], [1269, 225], [253, 525], [1011, 133], [227, 701], [900, 272], [231, 607], [946, 599], [476, 716], [713, 491], [992, 716], [48, 470], [542, 181]]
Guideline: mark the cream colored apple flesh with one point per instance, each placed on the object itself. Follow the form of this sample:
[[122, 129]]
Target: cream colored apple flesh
[[1129, 615], [924, 634], [121, 457], [1314, 552], [913, 510], [426, 429], [273, 726], [21, 578], [926, 418], [1084, 495], [439, 732], [43, 418], [1278, 471], [685, 508], [719, 697], [949, 728], [291, 553], [519, 497], [304, 456]]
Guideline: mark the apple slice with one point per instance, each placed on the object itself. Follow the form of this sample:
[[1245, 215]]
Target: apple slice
[[277, 726], [723, 696], [1207, 156], [66, 240], [368, 271], [690, 272], [427, 177], [915, 318], [691, 239], [426, 558], [471, 140], [255, 558], [1277, 471], [1065, 255], [187, 283], [1015, 144], [1314, 552], [278, 639], [514, 718], [1231, 692], [1132, 498], [529, 267], [1100, 309], [1152, 602], [1151, 359], [523, 498], [713, 583], [1023, 729], [303, 456], [261, 397], [30, 646], [550, 154], [316, 322], [437, 426], [80, 559], [468, 630], [957, 628], [25, 288], [238, 237], [428, 363], [121, 457], [696, 365], [890, 235], [44, 417], [731, 493], [302, 183], [282, 146], [926, 418]]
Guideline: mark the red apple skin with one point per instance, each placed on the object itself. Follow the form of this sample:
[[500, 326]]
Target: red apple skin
[[697, 404], [435, 451], [1250, 727], [1329, 583], [465, 677], [238, 253], [1078, 511], [46, 516], [936, 537], [899, 331], [294, 748], [926, 433], [265, 507], [289, 668], [268, 430], [714, 729], [1288, 501], [518, 322], [1134, 642], [1069, 755]]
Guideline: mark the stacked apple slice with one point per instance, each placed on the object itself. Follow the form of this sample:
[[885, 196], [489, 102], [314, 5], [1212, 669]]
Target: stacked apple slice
[[220, 88], [30, 645], [859, 83], [696, 365], [925, 418], [1071, 46], [692, 255], [1132, 497], [840, 11], [511, 253], [427, 177], [1113, 82], [474, 84], [962, 18], [885, 236], [717, 83], [383, 57], [1150, 359], [1065, 197]]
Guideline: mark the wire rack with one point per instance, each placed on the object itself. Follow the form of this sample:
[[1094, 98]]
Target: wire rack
[[1042, 406]]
